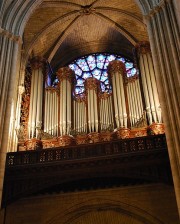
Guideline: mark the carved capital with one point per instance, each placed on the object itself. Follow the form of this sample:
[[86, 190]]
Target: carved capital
[[92, 83], [116, 66], [104, 95], [132, 79], [37, 62], [80, 98], [66, 73], [143, 47], [51, 89]]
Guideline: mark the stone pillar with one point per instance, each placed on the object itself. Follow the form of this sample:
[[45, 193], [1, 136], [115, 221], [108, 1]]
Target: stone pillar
[[116, 71], [66, 83], [164, 39], [10, 47], [149, 83]]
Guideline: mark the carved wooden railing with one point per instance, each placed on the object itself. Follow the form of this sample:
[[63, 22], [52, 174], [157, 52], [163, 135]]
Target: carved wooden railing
[[138, 159], [118, 147]]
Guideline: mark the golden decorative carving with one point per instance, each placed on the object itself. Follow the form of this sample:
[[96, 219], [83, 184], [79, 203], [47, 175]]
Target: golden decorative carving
[[37, 62], [33, 144], [143, 47], [50, 143], [116, 66], [106, 136], [156, 128], [51, 89], [66, 73], [80, 98], [94, 137], [123, 133], [138, 132], [132, 79], [92, 83], [104, 95], [81, 139], [25, 104], [65, 140]]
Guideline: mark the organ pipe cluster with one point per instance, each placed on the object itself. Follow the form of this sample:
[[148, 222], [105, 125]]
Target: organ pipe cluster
[[149, 84], [58, 111]]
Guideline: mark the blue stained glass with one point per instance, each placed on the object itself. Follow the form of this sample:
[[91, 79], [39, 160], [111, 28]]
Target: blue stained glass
[[111, 57], [106, 64], [101, 58], [78, 71], [83, 65], [96, 73], [133, 71], [86, 75], [95, 65], [100, 65], [80, 82], [103, 87], [128, 65], [106, 82], [121, 59]]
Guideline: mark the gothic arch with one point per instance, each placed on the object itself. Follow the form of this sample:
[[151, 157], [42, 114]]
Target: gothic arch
[[79, 211]]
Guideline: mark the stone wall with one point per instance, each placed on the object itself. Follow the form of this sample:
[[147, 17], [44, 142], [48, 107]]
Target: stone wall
[[153, 203]]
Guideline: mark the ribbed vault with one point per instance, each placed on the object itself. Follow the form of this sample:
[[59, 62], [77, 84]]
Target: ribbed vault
[[54, 28]]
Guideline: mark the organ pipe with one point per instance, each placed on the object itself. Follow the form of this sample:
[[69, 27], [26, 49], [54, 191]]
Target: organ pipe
[[92, 86], [36, 96], [153, 108], [116, 71], [134, 99], [66, 81], [51, 111]]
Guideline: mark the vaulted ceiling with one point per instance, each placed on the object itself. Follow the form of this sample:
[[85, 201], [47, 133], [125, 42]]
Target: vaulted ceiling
[[63, 30]]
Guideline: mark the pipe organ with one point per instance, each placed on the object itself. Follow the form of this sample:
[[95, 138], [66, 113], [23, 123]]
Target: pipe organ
[[66, 81], [80, 117], [134, 100], [92, 86], [153, 108], [51, 111], [57, 114], [36, 99], [117, 73], [105, 104]]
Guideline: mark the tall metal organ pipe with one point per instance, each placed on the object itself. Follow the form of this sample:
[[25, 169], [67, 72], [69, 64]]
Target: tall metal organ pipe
[[106, 115], [92, 86], [51, 111], [116, 71], [80, 123], [36, 96], [153, 107], [66, 82]]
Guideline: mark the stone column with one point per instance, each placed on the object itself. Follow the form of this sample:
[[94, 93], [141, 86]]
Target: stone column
[[164, 39], [149, 83], [10, 47]]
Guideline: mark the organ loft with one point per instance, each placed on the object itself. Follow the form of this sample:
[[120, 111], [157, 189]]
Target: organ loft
[[89, 111]]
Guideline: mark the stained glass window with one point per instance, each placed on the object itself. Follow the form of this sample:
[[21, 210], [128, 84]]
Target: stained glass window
[[95, 65]]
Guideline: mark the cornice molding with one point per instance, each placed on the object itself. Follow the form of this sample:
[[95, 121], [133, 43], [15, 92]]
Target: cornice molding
[[156, 9], [11, 36]]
